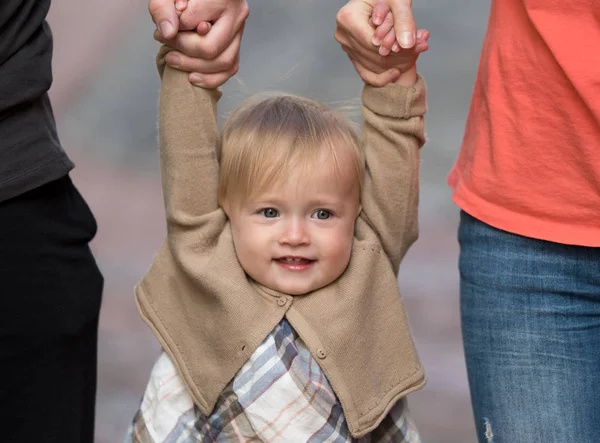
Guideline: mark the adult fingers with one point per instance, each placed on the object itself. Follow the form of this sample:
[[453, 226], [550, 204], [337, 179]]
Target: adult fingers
[[224, 29], [226, 18], [369, 54], [382, 30], [192, 44], [388, 43], [380, 11], [180, 61], [353, 20], [378, 63], [164, 16], [180, 6], [372, 78], [404, 23], [225, 62], [212, 81], [367, 64], [203, 28]]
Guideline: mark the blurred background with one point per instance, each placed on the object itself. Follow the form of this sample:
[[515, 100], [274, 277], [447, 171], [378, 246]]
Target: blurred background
[[105, 95]]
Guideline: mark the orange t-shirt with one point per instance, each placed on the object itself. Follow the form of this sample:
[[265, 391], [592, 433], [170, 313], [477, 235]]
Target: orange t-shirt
[[530, 159]]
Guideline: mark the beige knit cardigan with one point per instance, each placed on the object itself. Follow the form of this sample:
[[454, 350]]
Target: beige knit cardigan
[[210, 317]]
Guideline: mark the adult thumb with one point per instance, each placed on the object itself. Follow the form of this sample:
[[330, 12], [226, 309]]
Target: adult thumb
[[164, 15], [404, 22]]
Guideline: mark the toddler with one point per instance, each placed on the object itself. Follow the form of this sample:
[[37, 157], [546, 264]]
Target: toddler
[[274, 296]]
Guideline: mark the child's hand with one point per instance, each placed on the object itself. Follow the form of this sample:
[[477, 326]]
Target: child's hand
[[355, 26], [392, 67], [207, 37], [180, 6], [385, 37]]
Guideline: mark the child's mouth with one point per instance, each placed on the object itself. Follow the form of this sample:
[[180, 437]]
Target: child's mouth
[[294, 263]]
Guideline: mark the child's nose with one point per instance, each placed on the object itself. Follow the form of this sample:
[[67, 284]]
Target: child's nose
[[295, 233]]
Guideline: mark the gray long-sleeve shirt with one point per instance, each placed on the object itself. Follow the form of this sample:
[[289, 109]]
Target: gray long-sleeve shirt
[[30, 152]]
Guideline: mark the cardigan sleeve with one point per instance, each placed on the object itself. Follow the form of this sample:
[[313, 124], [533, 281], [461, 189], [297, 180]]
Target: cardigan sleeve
[[188, 141], [393, 133]]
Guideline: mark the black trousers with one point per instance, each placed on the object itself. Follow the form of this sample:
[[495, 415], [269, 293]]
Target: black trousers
[[50, 292]]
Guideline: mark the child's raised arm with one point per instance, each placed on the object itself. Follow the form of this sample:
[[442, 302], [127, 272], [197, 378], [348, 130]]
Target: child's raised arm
[[393, 127], [188, 140]]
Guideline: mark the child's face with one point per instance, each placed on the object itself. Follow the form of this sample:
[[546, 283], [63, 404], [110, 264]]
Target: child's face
[[297, 236]]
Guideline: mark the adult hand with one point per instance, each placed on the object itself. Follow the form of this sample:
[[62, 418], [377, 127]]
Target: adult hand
[[355, 31], [208, 37], [401, 13], [165, 14]]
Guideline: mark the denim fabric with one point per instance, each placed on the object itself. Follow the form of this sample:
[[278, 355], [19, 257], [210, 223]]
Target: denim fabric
[[530, 313]]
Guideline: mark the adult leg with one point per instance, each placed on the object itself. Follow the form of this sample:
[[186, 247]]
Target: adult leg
[[530, 314], [50, 291]]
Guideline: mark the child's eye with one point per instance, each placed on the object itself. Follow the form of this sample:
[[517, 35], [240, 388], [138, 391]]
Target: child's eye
[[322, 214], [269, 212]]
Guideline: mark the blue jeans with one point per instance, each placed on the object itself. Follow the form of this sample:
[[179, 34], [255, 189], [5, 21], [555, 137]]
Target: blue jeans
[[530, 312]]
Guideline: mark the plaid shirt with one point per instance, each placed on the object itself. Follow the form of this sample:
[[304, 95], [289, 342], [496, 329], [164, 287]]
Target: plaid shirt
[[279, 395]]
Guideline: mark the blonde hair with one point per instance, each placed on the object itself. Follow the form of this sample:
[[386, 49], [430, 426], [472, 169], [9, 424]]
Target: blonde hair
[[266, 138]]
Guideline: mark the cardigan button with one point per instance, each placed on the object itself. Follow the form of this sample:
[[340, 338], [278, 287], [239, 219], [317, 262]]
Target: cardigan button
[[321, 353], [282, 301]]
